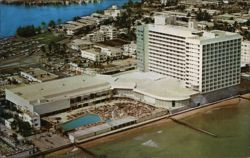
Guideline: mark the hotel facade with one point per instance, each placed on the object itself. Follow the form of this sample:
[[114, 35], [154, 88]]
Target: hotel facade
[[205, 61]]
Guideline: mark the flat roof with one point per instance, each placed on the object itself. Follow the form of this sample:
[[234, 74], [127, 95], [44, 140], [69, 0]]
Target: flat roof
[[121, 121], [157, 85], [40, 74], [92, 51], [165, 89], [75, 23], [147, 83], [61, 88], [189, 33], [151, 84], [93, 129], [81, 42]]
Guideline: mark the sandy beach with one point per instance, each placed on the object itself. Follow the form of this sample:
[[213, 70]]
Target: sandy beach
[[117, 136]]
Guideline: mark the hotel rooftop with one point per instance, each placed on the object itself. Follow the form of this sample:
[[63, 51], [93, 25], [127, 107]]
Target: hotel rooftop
[[60, 89]]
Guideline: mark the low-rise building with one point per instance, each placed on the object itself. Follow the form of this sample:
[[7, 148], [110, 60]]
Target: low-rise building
[[93, 54], [113, 11], [111, 52], [72, 29], [109, 32], [96, 37], [205, 24], [232, 18], [75, 27], [62, 94], [75, 67], [106, 32], [37, 75], [129, 49], [79, 44], [32, 118], [209, 11]]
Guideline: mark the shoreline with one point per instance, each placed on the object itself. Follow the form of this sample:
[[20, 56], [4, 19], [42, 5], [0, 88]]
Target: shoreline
[[226, 103], [40, 4]]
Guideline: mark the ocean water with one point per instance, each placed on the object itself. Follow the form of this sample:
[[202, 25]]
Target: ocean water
[[13, 16], [231, 124]]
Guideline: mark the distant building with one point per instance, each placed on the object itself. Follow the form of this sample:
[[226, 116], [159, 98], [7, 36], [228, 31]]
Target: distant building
[[113, 11], [245, 53], [234, 17], [164, 19], [75, 67], [106, 32], [94, 54], [79, 44], [111, 52], [32, 118], [205, 24], [96, 36], [167, 1], [209, 11], [76, 27], [109, 32], [129, 49], [37, 75], [206, 61]]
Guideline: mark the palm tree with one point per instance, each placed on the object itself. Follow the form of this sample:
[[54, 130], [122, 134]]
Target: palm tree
[[43, 25], [52, 24], [59, 21]]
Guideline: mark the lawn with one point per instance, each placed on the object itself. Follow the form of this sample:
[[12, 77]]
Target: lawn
[[48, 37]]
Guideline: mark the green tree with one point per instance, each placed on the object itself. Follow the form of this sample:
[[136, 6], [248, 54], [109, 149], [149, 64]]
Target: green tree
[[43, 25], [203, 15], [24, 128], [59, 21], [52, 24], [26, 31], [76, 18]]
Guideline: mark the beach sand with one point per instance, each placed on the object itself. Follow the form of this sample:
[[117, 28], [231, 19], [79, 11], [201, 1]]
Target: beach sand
[[137, 130]]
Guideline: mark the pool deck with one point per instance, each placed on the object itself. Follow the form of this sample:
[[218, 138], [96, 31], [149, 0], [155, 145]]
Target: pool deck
[[84, 120], [116, 134]]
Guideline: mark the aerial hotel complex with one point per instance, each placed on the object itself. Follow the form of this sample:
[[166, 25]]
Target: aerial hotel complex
[[81, 91], [205, 61], [178, 67]]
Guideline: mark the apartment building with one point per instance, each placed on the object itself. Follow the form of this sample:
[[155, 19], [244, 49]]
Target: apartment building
[[206, 61], [245, 53], [96, 37], [109, 32], [80, 44], [94, 54], [129, 49], [113, 11], [106, 32]]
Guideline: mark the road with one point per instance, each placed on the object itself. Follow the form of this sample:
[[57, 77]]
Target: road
[[20, 62]]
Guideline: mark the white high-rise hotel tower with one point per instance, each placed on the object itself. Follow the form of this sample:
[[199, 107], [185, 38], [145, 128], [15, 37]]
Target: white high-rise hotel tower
[[205, 61]]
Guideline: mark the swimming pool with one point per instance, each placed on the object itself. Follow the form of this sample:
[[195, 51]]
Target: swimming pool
[[81, 121]]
